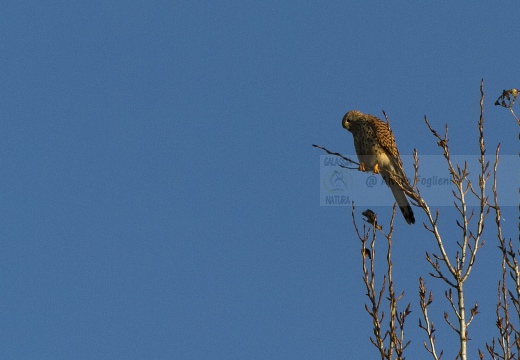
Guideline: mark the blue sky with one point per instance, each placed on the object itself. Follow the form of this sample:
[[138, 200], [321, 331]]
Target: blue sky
[[159, 192]]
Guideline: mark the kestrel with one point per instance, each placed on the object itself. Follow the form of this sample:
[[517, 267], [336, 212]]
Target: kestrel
[[377, 151]]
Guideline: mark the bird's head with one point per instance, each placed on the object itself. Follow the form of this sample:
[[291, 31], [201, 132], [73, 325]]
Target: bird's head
[[351, 119]]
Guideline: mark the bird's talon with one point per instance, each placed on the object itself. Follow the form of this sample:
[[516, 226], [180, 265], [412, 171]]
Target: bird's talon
[[362, 167], [376, 169]]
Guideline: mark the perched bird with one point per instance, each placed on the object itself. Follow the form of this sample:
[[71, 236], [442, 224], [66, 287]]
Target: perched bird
[[377, 151]]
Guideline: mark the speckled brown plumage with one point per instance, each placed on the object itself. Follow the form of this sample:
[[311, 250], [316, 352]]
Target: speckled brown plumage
[[377, 151]]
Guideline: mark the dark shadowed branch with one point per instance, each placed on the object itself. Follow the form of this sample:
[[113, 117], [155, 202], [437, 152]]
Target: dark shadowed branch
[[390, 342]]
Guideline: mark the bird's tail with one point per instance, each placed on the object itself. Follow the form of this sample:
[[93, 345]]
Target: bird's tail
[[402, 202]]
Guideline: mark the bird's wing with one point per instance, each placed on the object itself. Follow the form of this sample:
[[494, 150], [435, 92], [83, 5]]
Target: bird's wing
[[385, 138]]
